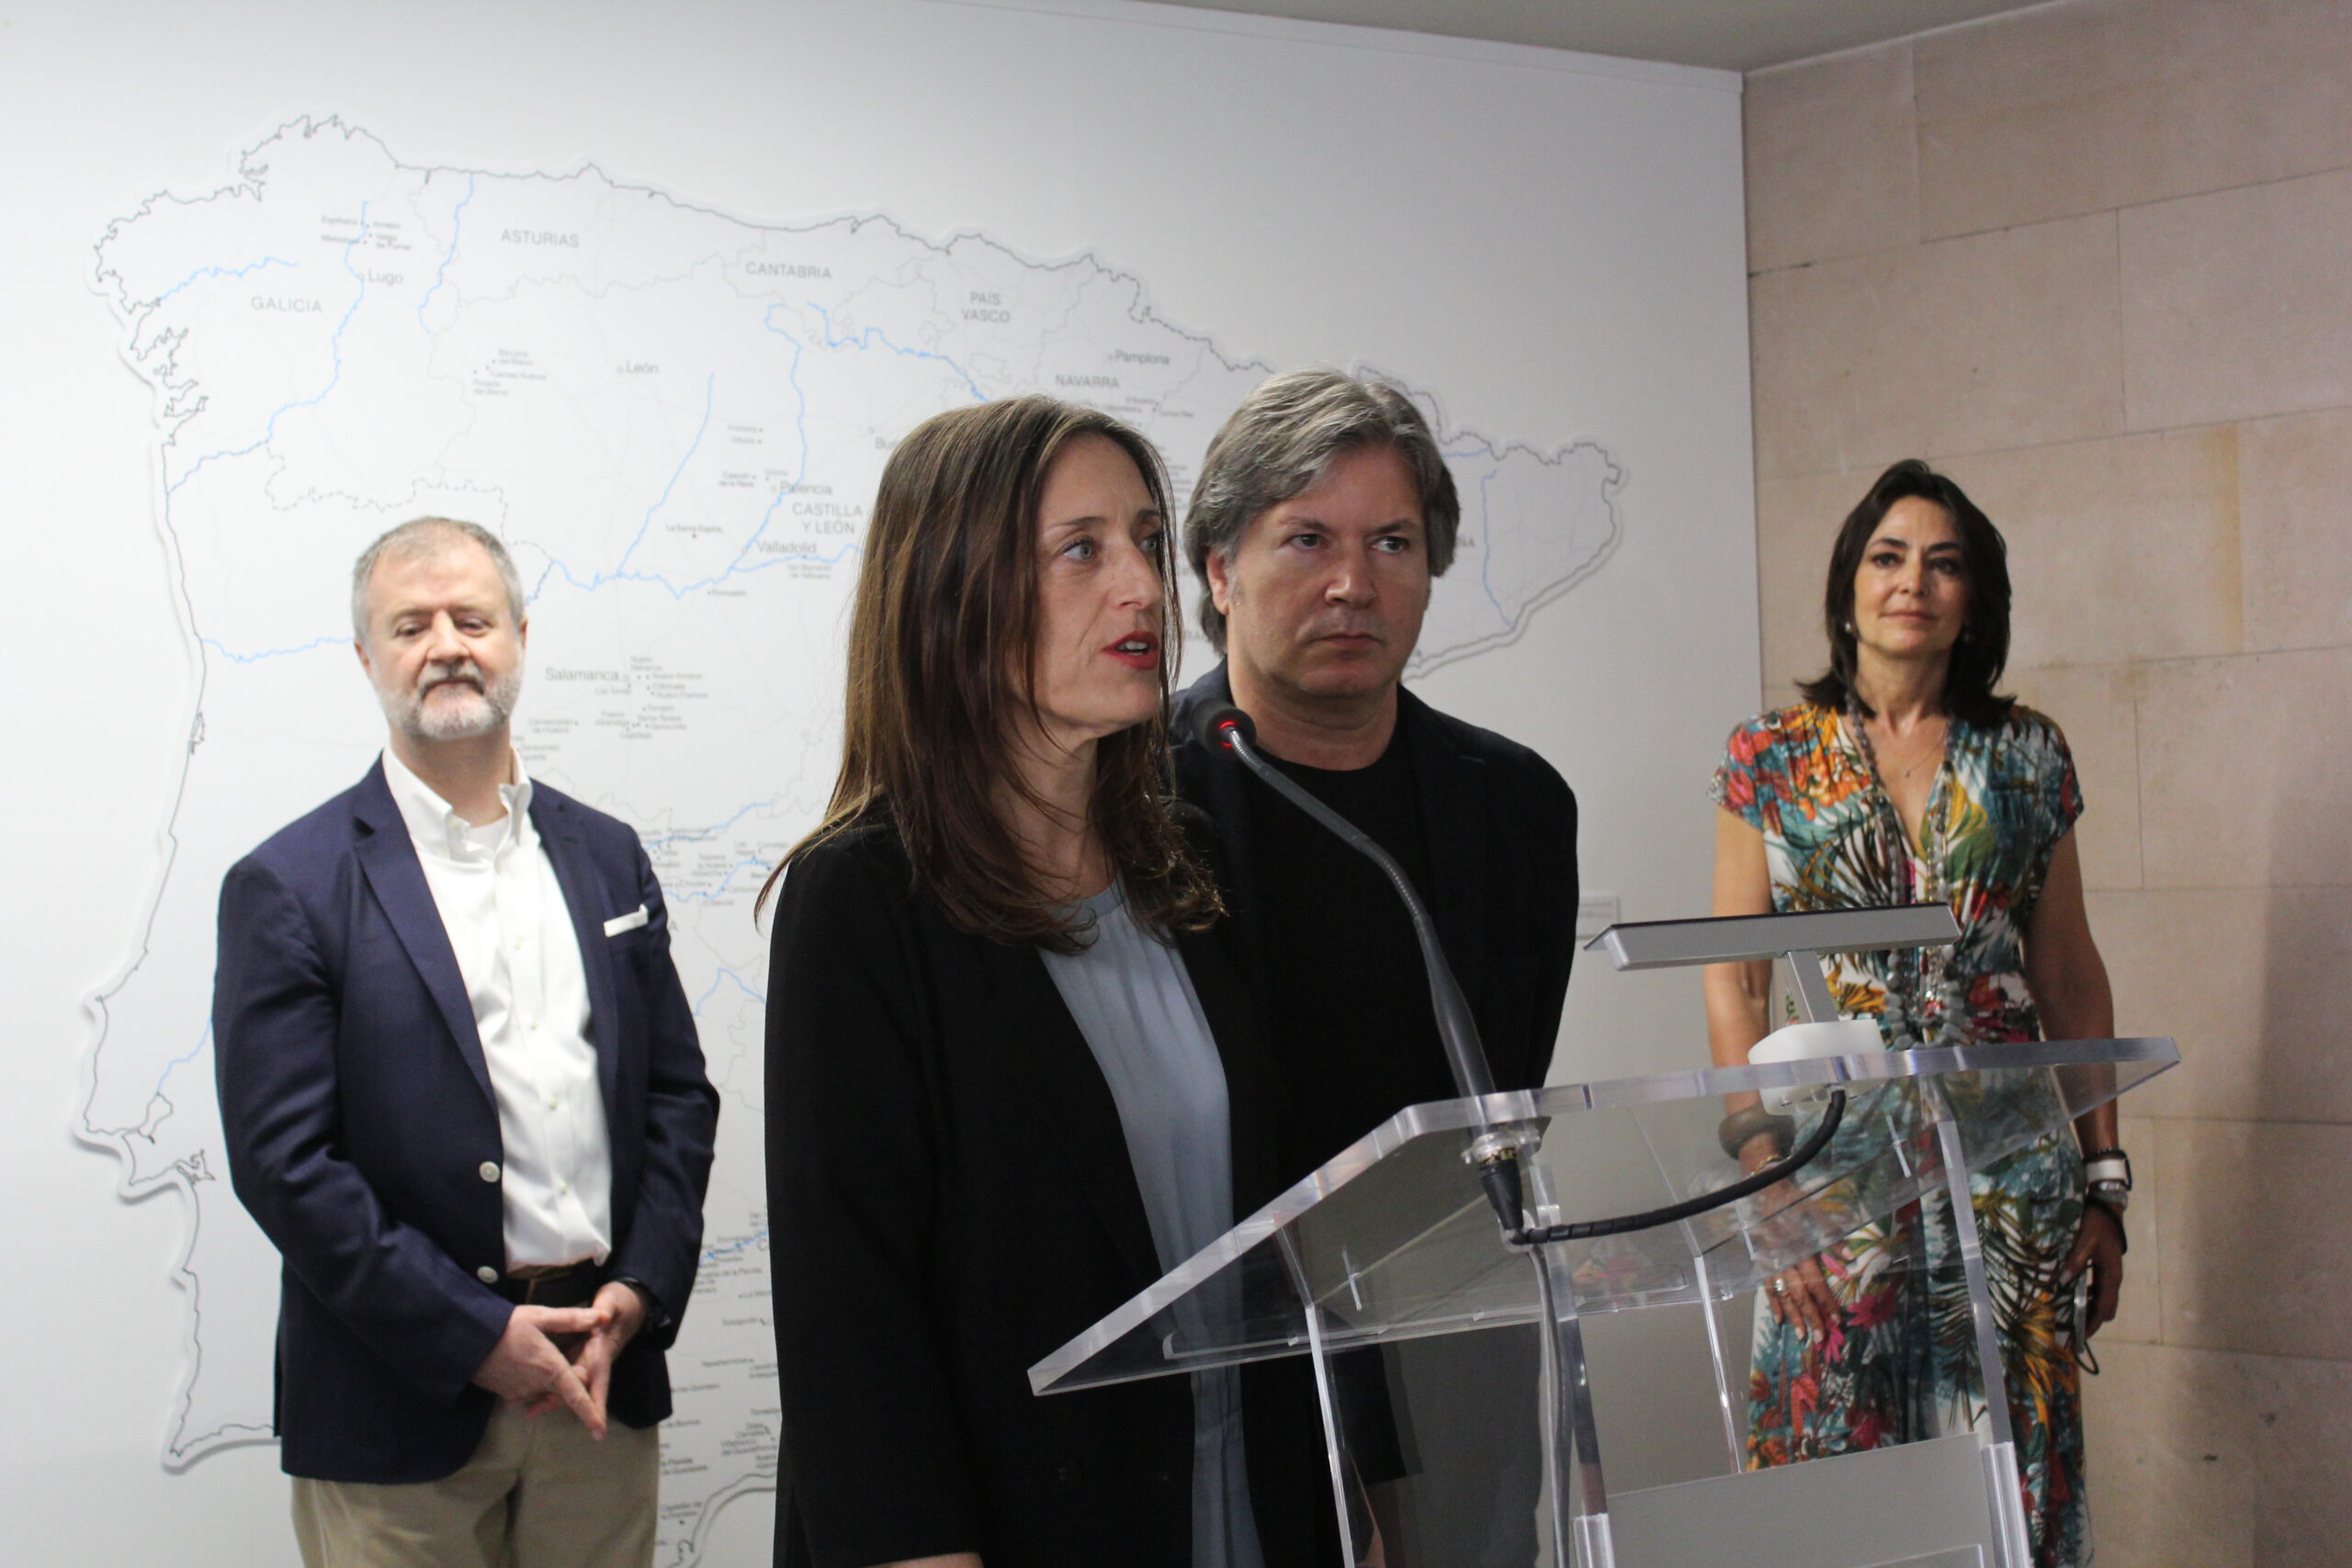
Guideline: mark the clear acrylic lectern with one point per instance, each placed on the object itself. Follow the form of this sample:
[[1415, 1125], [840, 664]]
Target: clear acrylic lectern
[[1500, 1403]]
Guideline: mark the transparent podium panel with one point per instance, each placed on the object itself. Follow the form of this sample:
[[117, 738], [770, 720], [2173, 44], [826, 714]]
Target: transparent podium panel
[[1578, 1390]]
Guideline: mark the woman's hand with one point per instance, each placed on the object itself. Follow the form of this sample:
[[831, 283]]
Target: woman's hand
[[1801, 1298], [1801, 1295], [2099, 1245]]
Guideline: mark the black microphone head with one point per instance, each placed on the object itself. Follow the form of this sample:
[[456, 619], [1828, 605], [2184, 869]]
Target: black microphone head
[[1211, 720]]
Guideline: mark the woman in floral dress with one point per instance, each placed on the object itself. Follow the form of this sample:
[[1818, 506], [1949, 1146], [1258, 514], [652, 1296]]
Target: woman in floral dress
[[1902, 778]]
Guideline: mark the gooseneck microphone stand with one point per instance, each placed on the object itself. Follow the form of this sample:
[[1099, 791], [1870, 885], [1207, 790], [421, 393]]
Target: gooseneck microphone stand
[[1495, 1149]]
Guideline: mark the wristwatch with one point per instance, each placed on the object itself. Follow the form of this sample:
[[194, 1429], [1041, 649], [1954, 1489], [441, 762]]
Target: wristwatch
[[2107, 1173]]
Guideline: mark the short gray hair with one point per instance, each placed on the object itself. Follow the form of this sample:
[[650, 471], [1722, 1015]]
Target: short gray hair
[[422, 536], [1282, 440]]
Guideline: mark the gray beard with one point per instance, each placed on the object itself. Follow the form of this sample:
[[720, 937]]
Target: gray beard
[[476, 713]]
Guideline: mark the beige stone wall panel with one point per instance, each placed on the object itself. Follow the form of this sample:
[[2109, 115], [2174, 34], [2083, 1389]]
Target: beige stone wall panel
[[2201, 1459], [1796, 524], [2094, 705], [2238, 304], [1830, 165], [2303, 1427], [2123, 549], [2296, 508], [2044, 55], [2246, 771], [2256, 983], [2255, 1237], [2087, 107], [1964, 345], [2171, 1440]]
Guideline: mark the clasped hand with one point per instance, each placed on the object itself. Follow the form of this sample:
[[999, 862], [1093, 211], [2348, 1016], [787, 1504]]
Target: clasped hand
[[2099, 1245], [563, 1356]]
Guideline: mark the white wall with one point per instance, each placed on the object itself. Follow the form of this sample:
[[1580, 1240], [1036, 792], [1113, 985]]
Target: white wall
[[1552, 244]]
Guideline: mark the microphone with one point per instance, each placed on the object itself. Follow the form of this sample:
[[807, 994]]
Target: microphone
[[1221, 726]]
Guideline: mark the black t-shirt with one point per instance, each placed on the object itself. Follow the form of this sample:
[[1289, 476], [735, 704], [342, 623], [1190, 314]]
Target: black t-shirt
[[1346, 998]]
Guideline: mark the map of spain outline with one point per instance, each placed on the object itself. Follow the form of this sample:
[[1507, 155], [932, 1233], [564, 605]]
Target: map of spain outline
[[675, 418]]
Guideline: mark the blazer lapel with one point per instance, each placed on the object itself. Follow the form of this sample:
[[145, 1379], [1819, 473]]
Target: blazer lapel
[[576, 874], [388, 860], [1032, 1033]]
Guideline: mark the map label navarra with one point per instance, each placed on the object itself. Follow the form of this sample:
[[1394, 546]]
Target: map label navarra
[[674, 417]]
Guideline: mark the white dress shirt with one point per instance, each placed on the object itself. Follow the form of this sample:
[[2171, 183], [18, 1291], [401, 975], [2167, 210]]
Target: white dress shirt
[[516, 947]]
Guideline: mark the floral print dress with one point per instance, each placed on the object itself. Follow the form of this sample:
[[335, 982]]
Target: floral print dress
[[1902, 1364]]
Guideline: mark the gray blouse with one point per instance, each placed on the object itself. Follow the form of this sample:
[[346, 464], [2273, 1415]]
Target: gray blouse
[[1134, 1001]]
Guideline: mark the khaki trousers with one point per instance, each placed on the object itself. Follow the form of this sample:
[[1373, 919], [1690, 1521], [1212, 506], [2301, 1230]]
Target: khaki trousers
[[537, 1494]]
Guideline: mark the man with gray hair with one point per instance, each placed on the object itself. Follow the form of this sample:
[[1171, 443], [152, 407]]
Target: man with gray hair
[[1323, 514], [463, 1095]]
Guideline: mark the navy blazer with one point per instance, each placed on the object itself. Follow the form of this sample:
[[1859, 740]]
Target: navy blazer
[[360, 1121]]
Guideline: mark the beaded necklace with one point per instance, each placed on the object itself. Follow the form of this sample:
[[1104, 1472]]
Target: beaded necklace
[[1922, 972]]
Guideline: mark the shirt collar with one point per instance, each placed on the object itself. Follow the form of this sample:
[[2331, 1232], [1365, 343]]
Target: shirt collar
[[434, 824]]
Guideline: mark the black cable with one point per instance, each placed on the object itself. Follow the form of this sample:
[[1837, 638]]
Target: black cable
[[1779, 1170]]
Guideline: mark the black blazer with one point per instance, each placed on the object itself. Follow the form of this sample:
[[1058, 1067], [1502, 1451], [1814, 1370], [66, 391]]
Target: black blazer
[[1502, 841], [359, 1117], [951, 1199]]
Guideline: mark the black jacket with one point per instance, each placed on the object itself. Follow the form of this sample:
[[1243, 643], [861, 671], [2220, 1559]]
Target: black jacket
[[1503, 847], [951, 1201]]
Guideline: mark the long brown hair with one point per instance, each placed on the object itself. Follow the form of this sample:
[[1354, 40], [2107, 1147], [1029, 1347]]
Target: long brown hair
[[942, 654]]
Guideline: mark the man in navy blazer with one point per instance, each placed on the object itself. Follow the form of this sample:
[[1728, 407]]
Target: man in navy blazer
[[464, 1097]]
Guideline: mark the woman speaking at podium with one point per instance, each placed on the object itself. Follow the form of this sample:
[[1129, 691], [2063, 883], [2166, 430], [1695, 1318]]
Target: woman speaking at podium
[[1008, 1082], [1900, 779]]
